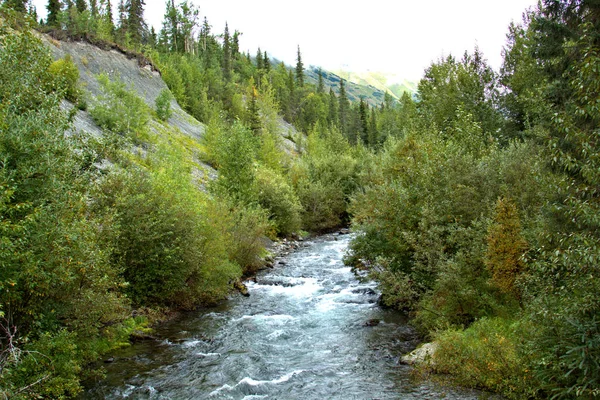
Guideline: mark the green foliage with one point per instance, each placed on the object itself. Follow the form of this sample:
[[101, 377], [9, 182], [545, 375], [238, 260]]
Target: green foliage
[[235, 157], [486, 356], [277, 196], [324, 179], [163, 104], [68, 74], [506, 247], [57, 290], [120, 110]]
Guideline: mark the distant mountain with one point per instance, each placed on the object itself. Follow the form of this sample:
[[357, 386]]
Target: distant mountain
[[394, 83], [371, 85]]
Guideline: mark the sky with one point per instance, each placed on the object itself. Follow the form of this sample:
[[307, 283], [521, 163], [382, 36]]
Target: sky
[[401, 37]]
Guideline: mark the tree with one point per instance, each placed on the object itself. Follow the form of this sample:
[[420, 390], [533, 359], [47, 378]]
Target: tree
[[320, 84], [344, 110], [267, 63], [54, 9], [505, 247], [136, 26], [299, 70], [17, 5], [226, 64], [80, 5]]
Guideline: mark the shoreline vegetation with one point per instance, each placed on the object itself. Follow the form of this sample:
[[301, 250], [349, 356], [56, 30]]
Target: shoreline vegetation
[[474, 201]]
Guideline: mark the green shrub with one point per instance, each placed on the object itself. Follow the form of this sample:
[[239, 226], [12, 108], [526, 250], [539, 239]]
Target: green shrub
[[163, 104], [120, 110], [68, 74], [486, 356], [277, 197]]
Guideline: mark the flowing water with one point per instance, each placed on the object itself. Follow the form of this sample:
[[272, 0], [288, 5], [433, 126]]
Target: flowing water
[[309, 330]]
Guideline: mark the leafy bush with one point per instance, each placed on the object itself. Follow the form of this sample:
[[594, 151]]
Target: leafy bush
[[277, 196], [487, 356], [120, 110], [58, 291], [324, 179], [163, 104], [68, 75]]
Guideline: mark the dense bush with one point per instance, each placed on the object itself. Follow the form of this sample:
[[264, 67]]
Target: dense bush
[[68, 74], [119, 110], [163, 105], [487, 355], [277, 196], [58, 293]]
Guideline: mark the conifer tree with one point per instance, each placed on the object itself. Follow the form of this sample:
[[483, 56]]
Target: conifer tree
[[321, 84], [363, 109], [54, 8], [259, 59], [226, 54], [235, 45], [94, 8], [80, 5], [135, 20], [333, 115], [299, 70], [344, 109], [17, 5], [267, 63], [372, 131]]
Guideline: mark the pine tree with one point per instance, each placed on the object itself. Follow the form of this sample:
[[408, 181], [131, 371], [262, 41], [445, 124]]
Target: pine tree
[[54, 9], [259, 59], [299, 70], [267, 63], [17, 5], [321, 84], [344, 109], [363, 110], [136, 26], [226, 54], [332, 117], [94, 8], [235, 45], [253, 115], [80, 5], [373, 134]]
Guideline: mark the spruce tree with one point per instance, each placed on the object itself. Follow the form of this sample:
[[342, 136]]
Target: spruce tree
[[363, 109], [226, 54], [17, 5], [299, 70], [259, 59], [54, 8], [235, 45], [333, 116], [321, 84], [344, 109], [80, 5], [135, 20], [94, 8], [267, 63]]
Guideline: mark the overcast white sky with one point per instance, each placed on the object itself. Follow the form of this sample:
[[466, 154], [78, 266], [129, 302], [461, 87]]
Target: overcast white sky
[[396, 36]]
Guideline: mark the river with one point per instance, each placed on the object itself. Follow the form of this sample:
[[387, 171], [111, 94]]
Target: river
[[309, 330]]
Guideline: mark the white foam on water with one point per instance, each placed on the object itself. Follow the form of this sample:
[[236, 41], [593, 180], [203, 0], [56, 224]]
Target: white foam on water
[[191, 343], [277, 319], [255, 396], [275, 334], [208, 354], [299, 287], [253, 382]]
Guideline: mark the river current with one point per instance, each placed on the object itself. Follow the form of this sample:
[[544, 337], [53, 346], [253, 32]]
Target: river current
[[309, 330]]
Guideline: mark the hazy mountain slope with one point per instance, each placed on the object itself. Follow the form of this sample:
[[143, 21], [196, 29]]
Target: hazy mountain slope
[[393, 83]]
